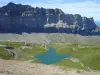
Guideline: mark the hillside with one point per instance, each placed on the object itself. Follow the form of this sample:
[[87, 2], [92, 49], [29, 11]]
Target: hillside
[[47, 38], [25, 68], [84, 57]]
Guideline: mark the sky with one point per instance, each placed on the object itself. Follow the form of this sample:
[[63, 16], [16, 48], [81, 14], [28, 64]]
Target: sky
[[88, 8]]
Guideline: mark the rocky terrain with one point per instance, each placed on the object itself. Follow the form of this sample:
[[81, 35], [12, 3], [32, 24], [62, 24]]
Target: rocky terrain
[[8, 67], [18, 18], [47, 38]]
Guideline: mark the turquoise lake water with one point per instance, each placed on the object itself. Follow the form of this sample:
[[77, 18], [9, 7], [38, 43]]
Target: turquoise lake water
[[51, 57]]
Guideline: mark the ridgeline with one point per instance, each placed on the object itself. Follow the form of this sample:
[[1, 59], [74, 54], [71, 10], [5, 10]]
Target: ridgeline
[[18, 18]]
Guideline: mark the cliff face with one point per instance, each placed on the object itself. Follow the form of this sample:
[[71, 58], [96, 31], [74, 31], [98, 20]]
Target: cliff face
[[24, 18]]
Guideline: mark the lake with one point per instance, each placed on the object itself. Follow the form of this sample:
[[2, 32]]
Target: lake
[[51, 57]]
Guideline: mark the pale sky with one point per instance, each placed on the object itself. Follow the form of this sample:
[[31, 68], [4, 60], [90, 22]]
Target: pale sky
[[89, 8]]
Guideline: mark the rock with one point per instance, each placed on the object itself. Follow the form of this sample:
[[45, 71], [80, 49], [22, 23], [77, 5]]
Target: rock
[[18, 18]]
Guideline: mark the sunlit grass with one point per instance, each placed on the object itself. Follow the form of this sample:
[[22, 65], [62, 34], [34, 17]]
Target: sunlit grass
[[89, 55], [4, 54]]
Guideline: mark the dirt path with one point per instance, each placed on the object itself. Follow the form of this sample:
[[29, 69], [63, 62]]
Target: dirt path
[[9, 67]]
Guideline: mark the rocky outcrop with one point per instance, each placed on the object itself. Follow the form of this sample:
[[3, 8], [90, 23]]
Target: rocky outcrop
[[24, 18]]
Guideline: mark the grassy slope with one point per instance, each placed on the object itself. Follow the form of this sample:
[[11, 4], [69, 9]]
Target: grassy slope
[[28, 54], [4, 54], [13, 44], [89, 55]]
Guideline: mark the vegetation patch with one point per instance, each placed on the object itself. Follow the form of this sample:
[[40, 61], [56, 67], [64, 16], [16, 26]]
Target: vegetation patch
[[4, 54], [88, 55]]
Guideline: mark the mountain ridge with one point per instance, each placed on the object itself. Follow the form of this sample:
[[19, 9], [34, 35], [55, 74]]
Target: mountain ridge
[[18, 18]]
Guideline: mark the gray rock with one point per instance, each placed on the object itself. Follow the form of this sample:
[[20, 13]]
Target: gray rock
[[24, 18]]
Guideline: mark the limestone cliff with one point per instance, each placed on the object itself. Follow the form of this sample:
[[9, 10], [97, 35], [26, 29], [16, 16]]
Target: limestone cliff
[[25, 18]]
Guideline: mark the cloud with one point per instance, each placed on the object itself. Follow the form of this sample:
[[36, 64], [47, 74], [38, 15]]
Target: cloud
[[58, 0]]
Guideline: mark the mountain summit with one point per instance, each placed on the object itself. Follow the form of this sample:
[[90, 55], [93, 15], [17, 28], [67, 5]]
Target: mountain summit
[[18, 18]]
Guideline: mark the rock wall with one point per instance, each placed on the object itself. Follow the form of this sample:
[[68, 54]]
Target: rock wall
[[24, 18]]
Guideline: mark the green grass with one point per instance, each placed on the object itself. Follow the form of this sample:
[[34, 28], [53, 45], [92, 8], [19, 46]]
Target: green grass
[[5, 54], [89, 55], [68, 63], [27, 54], [14, 44], [93, 61]]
